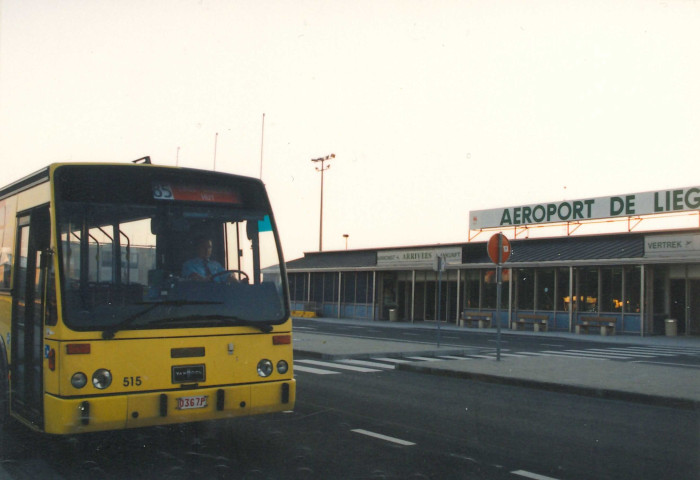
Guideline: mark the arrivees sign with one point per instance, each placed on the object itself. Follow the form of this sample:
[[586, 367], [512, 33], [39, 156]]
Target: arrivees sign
[[646, 203]]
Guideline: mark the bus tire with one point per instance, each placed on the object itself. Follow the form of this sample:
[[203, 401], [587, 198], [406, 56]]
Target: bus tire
[[6, 444], [4, 389]]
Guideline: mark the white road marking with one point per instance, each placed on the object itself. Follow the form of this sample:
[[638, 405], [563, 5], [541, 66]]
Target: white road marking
[[575, 355], [317, 371], [682, 350], [601, 354], [365, 363], [392, 360], [657, 353], [383, 437], [425, 359], [337, 365], [534, 476], [621, 351]]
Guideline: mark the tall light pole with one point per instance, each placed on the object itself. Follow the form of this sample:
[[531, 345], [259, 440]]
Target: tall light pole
[[322, 169], [262, 142], [216, 140], [345, 236]]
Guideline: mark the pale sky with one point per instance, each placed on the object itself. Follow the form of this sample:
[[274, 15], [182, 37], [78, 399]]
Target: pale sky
[[432, 108]]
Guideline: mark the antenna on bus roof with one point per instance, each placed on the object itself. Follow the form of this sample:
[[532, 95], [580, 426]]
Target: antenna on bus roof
[[146, 160]]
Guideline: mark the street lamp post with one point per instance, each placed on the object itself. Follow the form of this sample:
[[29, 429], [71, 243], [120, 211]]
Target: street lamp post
[[322, 169], [345, 236]]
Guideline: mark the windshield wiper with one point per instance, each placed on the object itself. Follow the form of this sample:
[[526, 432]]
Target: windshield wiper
[[108, 333], [225, 319]]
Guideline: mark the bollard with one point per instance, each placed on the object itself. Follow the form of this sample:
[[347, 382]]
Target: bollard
[[671, 327], [393, 315]]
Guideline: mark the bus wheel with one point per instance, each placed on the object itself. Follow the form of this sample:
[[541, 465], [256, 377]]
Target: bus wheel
[[5, 434], [4, 398]]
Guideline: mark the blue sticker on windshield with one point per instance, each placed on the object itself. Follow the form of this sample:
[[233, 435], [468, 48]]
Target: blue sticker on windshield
[[265, 225]]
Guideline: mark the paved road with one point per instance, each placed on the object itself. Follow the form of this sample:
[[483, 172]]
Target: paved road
[[359, 417], [441, 427]]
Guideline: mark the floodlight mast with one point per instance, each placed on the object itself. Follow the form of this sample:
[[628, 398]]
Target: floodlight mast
[[322, 169]]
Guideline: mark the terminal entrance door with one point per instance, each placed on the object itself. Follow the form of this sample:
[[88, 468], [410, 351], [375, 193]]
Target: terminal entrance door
[[694, 307], [685, 305]]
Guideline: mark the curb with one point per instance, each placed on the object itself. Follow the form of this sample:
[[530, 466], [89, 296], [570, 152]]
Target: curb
[[647, 399]]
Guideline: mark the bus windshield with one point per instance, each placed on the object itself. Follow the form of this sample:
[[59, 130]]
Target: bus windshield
[[167, 259]]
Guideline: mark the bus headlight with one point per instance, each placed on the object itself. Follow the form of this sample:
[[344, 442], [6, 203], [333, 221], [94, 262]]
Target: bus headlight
[[78, 380], [282, 367], [102, 378], [264, 368]]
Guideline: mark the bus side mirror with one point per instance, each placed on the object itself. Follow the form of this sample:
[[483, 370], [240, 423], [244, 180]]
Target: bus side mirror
[[157, 226], [251, 229]]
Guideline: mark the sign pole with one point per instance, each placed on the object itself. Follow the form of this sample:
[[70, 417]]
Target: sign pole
[[499, 284], [438, 306], [440, 267], [498, 248]]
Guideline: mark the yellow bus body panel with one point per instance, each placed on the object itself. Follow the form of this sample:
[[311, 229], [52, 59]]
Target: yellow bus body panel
[[64, 414], [142, 371], [144, 410], [146, 364]]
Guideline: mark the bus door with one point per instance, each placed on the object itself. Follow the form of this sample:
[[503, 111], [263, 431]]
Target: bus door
[[27, 313]]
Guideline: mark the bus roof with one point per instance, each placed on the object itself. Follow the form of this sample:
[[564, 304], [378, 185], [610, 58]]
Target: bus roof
[[25, 183], [43, 175]]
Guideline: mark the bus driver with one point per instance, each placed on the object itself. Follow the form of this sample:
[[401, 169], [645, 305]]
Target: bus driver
[[202, 268]]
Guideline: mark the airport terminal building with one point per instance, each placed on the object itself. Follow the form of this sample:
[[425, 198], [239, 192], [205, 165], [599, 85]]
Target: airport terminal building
[[635, 282]]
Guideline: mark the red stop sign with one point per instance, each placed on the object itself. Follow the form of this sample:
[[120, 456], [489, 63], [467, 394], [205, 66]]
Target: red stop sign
[[492, 248]]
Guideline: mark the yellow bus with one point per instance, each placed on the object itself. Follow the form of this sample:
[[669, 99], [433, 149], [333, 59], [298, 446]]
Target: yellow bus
[[104, 326]]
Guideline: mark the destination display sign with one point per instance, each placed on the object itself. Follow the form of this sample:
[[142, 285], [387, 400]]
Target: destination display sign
[[645, 203], [194, 193]]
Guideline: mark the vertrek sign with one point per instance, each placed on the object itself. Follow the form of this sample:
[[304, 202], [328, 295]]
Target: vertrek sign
[[646, 203]]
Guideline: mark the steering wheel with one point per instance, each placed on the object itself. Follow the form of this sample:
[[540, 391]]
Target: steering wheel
[[241, 274]]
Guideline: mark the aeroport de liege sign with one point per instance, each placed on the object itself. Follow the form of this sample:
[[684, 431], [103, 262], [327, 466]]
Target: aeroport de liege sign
[[646, 203]]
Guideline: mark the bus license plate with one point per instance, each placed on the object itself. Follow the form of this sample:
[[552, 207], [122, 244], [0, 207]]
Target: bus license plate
[[197, 401]]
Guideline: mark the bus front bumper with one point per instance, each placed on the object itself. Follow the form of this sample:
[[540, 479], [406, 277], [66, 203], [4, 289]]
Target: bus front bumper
[[134, 410]]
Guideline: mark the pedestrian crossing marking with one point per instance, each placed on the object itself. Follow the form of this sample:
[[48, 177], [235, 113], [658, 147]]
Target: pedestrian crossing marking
[[337, 365], [317, 371], [392, 360], [665, 352], [579, 355], [620, 355], [378, 364], [365, 363], [622, 351]]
